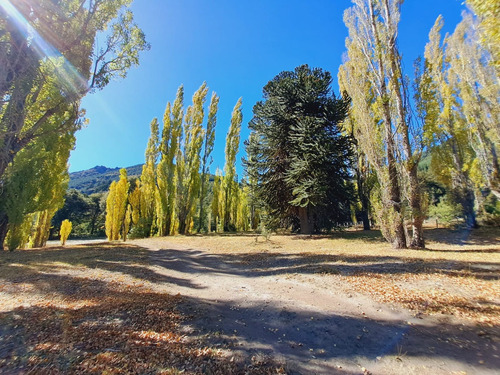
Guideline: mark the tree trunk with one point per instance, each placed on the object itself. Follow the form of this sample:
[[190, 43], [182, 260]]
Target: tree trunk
[[403, 128], [4, 221], [412, 160], [365, 219], [305, 227], [418, 215], [202, 198], [365, 202], [467, 202], [461, 187]]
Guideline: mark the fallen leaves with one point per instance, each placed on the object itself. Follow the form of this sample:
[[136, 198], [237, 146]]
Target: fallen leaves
[[74, 318], [464, 297]]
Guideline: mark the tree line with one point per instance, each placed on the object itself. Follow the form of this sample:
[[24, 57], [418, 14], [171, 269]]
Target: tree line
[[172, 194], [388, 151], [314, 160]]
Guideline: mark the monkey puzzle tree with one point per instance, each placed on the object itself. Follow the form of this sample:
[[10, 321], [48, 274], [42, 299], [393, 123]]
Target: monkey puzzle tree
[[297, 152]]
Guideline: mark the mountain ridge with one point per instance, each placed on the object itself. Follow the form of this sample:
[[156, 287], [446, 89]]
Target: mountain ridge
[[97, 179]]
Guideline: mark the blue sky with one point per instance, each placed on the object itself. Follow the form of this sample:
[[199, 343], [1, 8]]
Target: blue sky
[[236, 47]]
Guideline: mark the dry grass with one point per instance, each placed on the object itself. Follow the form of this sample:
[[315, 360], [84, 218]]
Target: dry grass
[[95, 310], [458, 274], [98, 309]]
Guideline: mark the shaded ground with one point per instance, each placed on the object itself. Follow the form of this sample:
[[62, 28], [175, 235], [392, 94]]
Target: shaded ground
[[344, 304]]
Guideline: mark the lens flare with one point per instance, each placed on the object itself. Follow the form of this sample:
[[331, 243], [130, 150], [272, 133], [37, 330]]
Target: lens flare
[[70, 80]]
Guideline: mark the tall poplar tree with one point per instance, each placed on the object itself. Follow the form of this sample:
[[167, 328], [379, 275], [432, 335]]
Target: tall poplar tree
[[134, 200], [49, 63], [188, 161], [110, 212], [34, 190], [478, 88], [217, 206], [230, 185], [373, 78], [488, 12], [252, 175], [167, 177], [149, 188], [206, 160], [116, 208], [452, 152]]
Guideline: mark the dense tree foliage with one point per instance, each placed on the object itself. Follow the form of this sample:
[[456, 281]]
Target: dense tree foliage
[[48, 62], [308, 167], [86, 213], [66, 227], [189, 160], [488, 12], [454, 122], [298, 154], [206, 161], [173, 192], [461, 102], [117, 212]]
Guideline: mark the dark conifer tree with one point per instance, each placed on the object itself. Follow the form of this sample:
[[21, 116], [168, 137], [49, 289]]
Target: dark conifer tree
[[298, 154]]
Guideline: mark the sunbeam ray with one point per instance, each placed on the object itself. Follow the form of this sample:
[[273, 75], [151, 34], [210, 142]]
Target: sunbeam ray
[[71, 81]]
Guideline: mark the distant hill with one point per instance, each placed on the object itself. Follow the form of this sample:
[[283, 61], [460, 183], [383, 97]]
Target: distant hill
[[98, 179]]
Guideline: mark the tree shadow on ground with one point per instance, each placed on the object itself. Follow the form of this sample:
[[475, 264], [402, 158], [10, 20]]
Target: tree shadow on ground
[[144, 332], [312, 342], [259, 330], [267, 264], [33, 265], [459, 236], [482, 236], [148, 265], [120, 332]]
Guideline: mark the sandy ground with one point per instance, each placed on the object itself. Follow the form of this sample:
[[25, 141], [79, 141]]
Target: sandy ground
[[272, 307]]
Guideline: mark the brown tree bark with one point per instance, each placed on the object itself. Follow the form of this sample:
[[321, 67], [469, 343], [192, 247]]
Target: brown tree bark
[[305, 225], [4, 221]]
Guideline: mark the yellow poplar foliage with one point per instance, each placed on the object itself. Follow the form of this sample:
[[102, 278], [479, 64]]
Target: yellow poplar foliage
[[243, 210], [166, 171], [116, 206], [230, 186], [126, 222], [218, 201], [148, 178], [488, 12], [66, 227], [110, 203], [134, 200], [188, 162]]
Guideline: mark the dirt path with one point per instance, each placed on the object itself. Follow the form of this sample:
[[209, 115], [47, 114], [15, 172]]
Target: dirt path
[[311, 323]]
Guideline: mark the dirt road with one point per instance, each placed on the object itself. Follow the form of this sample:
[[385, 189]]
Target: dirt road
[[265, 308]]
